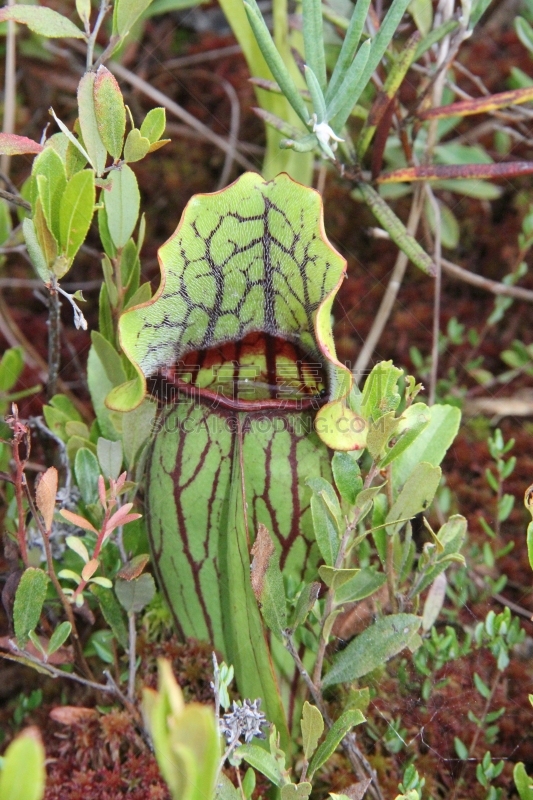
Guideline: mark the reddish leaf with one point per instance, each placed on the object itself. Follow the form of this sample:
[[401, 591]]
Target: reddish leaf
[[134, 568], [438, 172], [45, 496], [73, 715], [481, 105], [89, 569], [75, 519], [12, 145]]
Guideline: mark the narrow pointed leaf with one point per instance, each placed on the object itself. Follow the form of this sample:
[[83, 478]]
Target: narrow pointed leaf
[[78, 520], [396, 229], [112, 611], [317, 98], [436, 172], [274, 61], [342, 102], [59, 637], [384, 36], [385, 96], [42, 20], [313, 35], [349, 47], [480, 105]]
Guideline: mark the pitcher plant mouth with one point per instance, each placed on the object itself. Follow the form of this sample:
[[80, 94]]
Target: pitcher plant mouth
[[259, 373], [252, 259]]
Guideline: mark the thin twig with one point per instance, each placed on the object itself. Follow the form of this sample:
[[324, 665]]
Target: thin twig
[[360, 765], [132, 654], [391, 292], [517, 292], [235, 117], [67, 607], [54, 349], [158, 97], [104, 8], [437, 258], [10, 98], [15, 199]]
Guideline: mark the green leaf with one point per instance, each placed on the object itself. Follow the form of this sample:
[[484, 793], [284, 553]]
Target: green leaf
[[422, 13], [34, 251], [313, 36], [264, 762], [396, 229], [29, 599], [43, 21], [335, 735], [153, 125], [113, 614], [49, 165], [306, 600], [76, 212], [293, 791], [135, 595], [326, 515], [416, 495], [524, 31], [431, 444], [317, 98], [137, 427], [110, 457], [89, 125], [349, 47], [379, 434], [136, 147], [374, 647], [412, 422], [275, 61], [11, 367], [381, 41], [347, 474], [127, 14], [270, 593], [341, 104], [110, 359], [523, 783], [23, 774], [380, 392], [87, 471], [122, 204], [312, 728], [59, 637], [110, 111], [447, 224], [365, 583]]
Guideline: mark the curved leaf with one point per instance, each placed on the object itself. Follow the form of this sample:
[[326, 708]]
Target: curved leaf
[[42, 20]]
